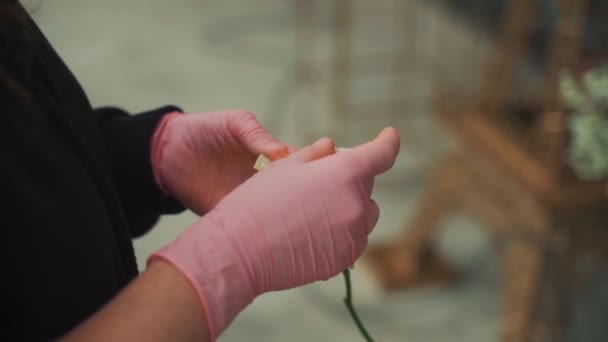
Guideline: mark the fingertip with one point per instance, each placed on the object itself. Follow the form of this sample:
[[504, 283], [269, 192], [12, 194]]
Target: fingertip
[[391, 137], [325, 144], [391, 134], [278, 151], [389, 131], [380, 154], [319, 149]]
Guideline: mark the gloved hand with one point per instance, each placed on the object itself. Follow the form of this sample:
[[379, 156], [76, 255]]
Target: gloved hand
[[199, 158], [301, 220]]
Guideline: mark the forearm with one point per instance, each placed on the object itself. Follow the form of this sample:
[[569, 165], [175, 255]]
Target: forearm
[[127, 139], [160, 305]]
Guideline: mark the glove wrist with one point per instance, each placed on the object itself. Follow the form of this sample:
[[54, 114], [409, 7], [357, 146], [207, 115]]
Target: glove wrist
[[157, 145], [214, 269]]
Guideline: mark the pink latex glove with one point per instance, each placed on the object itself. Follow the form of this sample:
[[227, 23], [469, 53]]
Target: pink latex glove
[[199, 158], [301, 220]]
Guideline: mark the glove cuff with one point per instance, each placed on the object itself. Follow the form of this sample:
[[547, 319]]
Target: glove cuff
[[214, 270], [157, 147]]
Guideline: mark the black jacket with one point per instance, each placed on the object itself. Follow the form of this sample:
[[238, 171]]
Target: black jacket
[[76, 187]]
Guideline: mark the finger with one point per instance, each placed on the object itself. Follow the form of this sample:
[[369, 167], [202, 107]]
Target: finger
[[255, 138], [379, 154], [319, 149], [291, 149], [368, 183], [373, 212]]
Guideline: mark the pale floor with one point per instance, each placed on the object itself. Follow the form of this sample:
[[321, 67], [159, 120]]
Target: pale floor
[[208, 55]]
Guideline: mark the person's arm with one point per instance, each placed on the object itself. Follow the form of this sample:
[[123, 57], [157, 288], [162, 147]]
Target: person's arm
[[160, 305], [127, 140], [304, 219]]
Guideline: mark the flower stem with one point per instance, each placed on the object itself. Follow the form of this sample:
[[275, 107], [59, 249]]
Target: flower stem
[[349, 305]]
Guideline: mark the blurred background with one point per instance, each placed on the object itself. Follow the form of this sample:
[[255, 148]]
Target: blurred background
[[493, 224]]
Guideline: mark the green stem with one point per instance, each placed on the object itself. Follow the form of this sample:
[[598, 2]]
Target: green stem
[[349, 305]]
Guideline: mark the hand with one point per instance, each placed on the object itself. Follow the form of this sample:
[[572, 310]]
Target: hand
[[302, 219], [199, 158]]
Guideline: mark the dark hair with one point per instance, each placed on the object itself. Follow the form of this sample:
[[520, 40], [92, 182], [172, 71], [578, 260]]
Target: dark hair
[[17, 45]]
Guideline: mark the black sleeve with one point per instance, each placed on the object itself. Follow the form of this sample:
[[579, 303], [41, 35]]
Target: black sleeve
[[127, 142]]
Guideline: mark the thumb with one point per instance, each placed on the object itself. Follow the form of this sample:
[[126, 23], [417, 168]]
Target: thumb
[[319, 149], [255, 138], [380, 153]]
